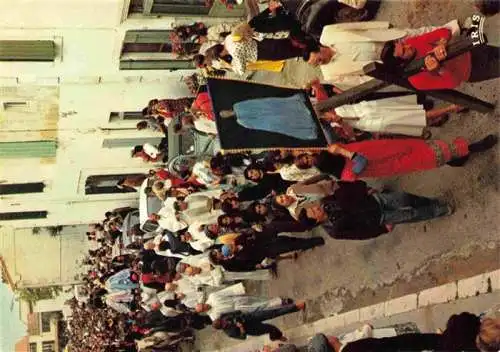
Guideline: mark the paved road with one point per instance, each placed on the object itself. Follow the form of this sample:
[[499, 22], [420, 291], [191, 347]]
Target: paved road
[[344, 275]]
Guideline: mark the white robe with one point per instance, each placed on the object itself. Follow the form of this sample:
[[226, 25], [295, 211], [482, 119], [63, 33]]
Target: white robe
[[359, 44], [398, 115], [200, 240], [200, 207], [168, 221], [193, 295], [233, 298]]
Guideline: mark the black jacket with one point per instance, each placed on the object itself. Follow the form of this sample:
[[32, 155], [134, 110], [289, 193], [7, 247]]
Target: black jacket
[[269, 183], [353, 213]]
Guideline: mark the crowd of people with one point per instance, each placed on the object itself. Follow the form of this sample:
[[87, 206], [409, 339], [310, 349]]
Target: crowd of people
[[233, 217]]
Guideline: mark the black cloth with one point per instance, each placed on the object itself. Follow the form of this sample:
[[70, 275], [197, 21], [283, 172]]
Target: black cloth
[[253, 322], [197, 321], [313, 15], [156, 321], [266, 22], [277, 49], [484, 63], [266, 245], [271, 248], [177, 246], [460, 334], [400, 343], [352, 212], [331, 164], [270, 182]]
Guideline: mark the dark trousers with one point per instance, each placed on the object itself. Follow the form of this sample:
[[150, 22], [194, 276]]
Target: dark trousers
[[400, 343], [277, 49], [484, 63], [402, 207], [254, 321], [285, 244], [265, 22]]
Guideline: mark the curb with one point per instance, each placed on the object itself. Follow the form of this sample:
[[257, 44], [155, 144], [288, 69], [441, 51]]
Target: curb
[[465, 288]]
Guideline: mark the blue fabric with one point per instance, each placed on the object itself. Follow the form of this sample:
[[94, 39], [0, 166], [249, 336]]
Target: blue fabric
[[359, 163], [289, 116], [121, 281], [226, 251]]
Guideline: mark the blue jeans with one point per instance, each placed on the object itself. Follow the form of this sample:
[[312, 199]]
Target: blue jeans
[[401, 207]]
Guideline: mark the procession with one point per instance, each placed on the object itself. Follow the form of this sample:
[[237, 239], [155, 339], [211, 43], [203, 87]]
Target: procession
[[285, 172]]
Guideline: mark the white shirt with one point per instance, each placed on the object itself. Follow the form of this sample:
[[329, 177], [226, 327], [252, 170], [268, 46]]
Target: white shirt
[[193, 296], [200, 240], [150, 150], [168, 221], [205, 125], [293, 173]]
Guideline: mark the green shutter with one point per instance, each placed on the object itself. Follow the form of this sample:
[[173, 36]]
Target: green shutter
[[174, 142], [129, 142], [179, 9], [144, 37], [27, 50], [156, 65], [37, 149]]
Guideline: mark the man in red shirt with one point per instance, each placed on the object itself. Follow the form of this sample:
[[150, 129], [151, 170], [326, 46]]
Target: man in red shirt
[[478, 65]]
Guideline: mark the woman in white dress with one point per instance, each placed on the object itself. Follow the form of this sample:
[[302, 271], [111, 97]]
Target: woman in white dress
[[396, 115]]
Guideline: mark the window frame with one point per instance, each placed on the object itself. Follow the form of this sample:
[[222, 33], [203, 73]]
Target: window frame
[[50, 344], [154, 57]]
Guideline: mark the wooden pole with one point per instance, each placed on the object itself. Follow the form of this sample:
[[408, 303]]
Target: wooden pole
[[384, 78]]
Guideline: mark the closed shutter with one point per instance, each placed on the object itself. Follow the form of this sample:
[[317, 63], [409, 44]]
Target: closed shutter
[[32, 149], [23, 215], [129, 142], [179, 9], [27, 50], [156, 65], [19, 188], [154, 36]]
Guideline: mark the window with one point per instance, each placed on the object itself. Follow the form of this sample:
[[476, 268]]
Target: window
[[106, 184], [184, 7], [16, 106], [18, 188], [46, 318], [30, 149], [48, 346], [27, 50], [129, 142], [33, 347], [126, 115], [23, 215], [154, 50]]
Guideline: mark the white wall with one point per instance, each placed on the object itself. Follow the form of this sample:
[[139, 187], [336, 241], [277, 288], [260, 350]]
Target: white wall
[[80, 153], [43, 260]]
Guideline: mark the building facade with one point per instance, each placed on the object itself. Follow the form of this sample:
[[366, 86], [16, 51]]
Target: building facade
[[74, 76]]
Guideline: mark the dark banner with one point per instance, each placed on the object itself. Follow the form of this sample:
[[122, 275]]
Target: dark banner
[[258, 117]]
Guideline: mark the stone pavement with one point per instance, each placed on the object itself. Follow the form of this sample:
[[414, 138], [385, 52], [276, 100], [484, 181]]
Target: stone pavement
[[346, 275], [428, 309]]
